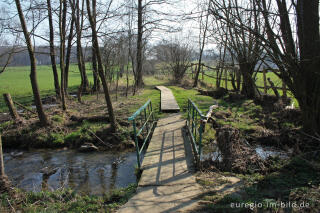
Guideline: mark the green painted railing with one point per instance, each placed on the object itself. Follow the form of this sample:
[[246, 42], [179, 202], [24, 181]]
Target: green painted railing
[[195, 126], [146, 118]]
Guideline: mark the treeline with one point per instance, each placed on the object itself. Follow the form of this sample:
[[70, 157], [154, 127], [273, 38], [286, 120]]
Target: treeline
[[42, 53]]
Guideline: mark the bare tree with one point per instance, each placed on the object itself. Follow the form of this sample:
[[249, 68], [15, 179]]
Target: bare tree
[[177, 56], [68, 54], [95, 44], [78, 16], [139, 81], [62, 28], [33, 73], [243, 45], [292, 42], [202, 41], [52, 50], [96, 80], [297, 60]]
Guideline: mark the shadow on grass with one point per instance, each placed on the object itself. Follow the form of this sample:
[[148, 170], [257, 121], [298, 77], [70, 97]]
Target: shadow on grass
[[297, 182]]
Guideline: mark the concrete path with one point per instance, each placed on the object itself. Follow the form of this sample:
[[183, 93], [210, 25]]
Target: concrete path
[[168, 101], [167, 183]]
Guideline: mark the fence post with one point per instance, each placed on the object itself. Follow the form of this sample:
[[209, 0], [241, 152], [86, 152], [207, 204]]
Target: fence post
[[226, 78], [265, 81], [284, 89], [202, 73], [12, 109], [200, 138], [1, 160]]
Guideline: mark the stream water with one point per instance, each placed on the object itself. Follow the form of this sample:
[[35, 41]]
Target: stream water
[[93, 173], [262, 151]]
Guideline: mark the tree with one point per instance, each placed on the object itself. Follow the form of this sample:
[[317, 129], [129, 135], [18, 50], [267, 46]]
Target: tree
[[202, 40], [299, 61], [292, 42], [52, 51], [177, 56], [78, 16], [243, 45], [96, 81], [95, 44], [33, 71], [139, 81], [62, 28]]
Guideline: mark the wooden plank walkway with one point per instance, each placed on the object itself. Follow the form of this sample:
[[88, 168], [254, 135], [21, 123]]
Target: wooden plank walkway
[[167, 183], [168, 101]]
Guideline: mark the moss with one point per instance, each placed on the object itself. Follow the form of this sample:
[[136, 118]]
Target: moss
[[57, 118], [56, 138]]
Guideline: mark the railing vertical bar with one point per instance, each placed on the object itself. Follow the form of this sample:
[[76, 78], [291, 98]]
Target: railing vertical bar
[[145, 120], [196, 128], [136, 142]]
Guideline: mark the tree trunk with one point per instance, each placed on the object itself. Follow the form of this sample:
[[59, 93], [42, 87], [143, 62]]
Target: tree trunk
[[52, 51], [96, 83], [62, 27], [13, 111], [33, 72], [202, 43], [248, 85], [139, 81], [68, 55], [101, 72], [307, 83]]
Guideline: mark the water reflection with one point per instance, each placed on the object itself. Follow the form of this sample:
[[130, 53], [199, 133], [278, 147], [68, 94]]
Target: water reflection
[[93, 173]]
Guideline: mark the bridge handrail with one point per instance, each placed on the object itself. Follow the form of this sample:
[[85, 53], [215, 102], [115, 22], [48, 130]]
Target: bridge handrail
[[192, 123], [148, 118]]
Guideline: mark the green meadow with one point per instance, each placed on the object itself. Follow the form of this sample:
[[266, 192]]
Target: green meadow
[[16, 81]]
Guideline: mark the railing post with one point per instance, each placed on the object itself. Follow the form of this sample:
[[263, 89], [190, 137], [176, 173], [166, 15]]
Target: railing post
[[136, 142], [145, 120], [152, 111], [200, 138], [192, 123]]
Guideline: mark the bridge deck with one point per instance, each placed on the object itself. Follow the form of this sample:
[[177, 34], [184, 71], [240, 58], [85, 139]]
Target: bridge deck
[[167, 183], [168, 101]]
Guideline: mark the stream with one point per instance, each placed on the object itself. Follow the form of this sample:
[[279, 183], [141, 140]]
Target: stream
[[92, 173], [263, 152]]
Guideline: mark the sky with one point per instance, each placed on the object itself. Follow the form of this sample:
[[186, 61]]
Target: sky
[[189, 28]]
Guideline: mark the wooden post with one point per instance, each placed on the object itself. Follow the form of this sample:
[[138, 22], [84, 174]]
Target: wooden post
[[12, 109], [226, 78], [265, 81], [1, 160], [274, 88], [193, 72], [202, 73], [284, 89]]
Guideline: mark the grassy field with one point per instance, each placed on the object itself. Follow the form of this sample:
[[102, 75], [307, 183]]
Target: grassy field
[[16, 81], [259, 82]]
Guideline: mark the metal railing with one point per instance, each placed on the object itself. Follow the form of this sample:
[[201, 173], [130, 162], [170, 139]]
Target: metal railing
[[195, 126], [146, 123]]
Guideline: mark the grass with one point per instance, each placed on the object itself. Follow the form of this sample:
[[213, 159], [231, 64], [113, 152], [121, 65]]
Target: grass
[[292, 180], [65, 201], [16, 81], [259, 82]]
